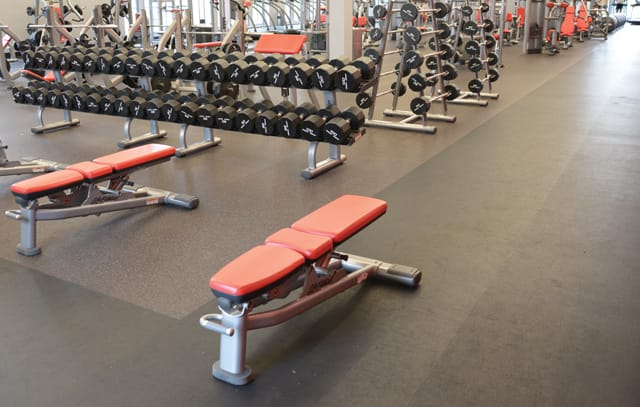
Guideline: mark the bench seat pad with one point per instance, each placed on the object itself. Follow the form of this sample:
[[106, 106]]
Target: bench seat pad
[[133, 157], [255, 272], [46, 184], [91, 170], [342, 218], [312, 247]]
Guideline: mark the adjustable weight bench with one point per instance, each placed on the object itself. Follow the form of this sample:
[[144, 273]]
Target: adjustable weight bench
[[302, 256], [76, 191], [25, 165]]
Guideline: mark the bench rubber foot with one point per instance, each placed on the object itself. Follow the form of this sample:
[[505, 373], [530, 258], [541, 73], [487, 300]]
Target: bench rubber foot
[[239, 379], [28, 251]]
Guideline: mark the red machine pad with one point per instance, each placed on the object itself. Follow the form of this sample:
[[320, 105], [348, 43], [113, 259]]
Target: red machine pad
[[280, 43], [91, 170], [213, 44], [46, 184], [312, 247], [133, 157], [342, 218], [255, 272]]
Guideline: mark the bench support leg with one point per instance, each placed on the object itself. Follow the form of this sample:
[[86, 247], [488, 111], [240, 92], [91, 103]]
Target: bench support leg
[[231, 367], [27, 218]]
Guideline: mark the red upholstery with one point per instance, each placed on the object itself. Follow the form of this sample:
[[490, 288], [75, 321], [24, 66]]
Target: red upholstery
[[255, 271], [132, 157], [46, 184], [312, 247], [568, 24], [342, 218], [280, 43], [91, 170], [207, 44], [520, 12]]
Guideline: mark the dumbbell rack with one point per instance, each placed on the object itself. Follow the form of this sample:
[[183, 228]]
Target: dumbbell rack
[[66, 122], [409, 117], [466, 97]]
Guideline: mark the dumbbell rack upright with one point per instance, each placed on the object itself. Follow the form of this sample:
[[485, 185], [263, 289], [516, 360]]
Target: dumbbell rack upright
[[409, 117]]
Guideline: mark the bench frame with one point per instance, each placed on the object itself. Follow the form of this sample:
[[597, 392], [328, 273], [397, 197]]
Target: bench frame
[[91, 198], [320, 279], [27, 165]]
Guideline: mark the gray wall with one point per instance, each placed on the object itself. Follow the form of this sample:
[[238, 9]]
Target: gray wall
[[12, 13]]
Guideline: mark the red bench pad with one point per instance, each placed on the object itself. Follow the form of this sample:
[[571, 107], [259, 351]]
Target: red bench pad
[[125, 159], [255, 272], [342, 218], [46, 184], [312, 247], [280, 43], [91, 170]]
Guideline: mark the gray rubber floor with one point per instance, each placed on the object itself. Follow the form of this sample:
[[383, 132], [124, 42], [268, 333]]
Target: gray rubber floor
[[523, 216]]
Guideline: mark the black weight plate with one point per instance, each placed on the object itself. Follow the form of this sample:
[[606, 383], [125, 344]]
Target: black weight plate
[[432, 62], [494, 75], [470, 28], [450, 72], [492, 58], [412, 59], [412, 35], [484, 7], [379, 11], [408, 12], [441, 9], [363, 100], [447, 51], [373, 54], [417, 82], [472, 47], [375, 34], [432, 43], [488, 24], [420, 105], [402, 89], [467, 11], [406, 71], [452, 91], [474, 64], [475, 86], [489, 41], [444, 31]]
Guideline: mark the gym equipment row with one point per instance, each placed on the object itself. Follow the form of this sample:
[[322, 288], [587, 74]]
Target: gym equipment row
[[302, 256], [75, 191], [318, 72], [328, 125]]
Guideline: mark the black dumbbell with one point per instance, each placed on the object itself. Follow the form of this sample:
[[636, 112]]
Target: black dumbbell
[[267, 121], [338, 130], [226, 115], [289, 124], [311, 126], [246, 118], [418, 82], [351, 76], [473, 47], [476, 64], [278, 73], [364, 100], [420, 105], [90, 63], [256, 72], [17, 94], [132, 64]]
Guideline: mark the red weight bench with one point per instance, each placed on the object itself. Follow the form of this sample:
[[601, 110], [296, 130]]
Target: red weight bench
[[280, 44], [302, 256], [77, 191]]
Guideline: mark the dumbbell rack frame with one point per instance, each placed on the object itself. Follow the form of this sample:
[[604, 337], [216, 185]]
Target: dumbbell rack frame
[[470, 98], [154, 130], [7, 76], [66, 122], [208, 139], [410, 117]]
